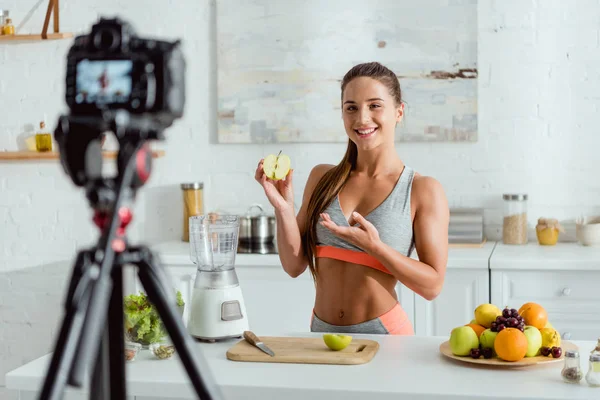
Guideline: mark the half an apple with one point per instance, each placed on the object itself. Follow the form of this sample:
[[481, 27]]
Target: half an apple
[[276, 167]]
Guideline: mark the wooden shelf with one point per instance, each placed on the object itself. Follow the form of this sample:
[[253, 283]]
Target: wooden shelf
[[53, 155], [35, 37]]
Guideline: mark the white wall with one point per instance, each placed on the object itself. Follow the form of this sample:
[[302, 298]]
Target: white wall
[[538, 102]]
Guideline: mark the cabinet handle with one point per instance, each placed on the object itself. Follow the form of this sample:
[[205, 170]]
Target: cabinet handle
[[566, 335], [566, 291]]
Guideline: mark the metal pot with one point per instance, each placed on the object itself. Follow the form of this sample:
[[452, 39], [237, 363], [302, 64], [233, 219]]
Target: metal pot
[[257, 228]]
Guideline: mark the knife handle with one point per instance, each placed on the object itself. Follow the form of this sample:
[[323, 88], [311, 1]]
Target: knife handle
[[251, 338]]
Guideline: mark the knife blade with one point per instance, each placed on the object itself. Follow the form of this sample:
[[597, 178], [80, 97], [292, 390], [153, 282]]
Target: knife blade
[[255, 341]]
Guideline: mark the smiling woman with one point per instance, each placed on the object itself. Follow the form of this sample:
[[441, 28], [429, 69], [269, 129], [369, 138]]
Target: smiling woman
[[361, 219]]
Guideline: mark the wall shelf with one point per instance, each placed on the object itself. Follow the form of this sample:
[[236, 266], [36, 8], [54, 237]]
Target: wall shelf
[[53, 155], [35, 37]]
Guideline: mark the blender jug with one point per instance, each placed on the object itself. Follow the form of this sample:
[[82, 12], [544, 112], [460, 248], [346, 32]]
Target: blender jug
[[217, 307]]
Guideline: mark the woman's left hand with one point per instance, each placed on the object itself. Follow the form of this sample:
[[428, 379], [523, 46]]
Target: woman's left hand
[[364, 236]]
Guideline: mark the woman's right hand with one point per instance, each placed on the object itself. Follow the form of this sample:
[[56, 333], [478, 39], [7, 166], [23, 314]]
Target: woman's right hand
[[279, 193]]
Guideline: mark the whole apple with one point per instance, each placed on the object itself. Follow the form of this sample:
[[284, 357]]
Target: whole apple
[[534, 340], [487, 338], [462, 340]]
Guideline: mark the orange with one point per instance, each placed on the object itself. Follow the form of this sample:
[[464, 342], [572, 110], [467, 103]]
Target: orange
[[510, 344], [534, 315], [477, 328]]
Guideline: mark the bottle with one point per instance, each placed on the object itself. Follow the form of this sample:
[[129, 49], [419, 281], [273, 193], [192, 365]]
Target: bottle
[[514, 227], [8, 28], [571, 372], [192, 205], [43, 138], [593, 375]]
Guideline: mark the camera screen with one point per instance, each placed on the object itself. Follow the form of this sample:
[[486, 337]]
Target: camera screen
[[103, 81]]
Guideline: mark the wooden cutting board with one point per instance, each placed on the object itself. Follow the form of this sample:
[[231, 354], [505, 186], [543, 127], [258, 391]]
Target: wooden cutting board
[[304, 351]]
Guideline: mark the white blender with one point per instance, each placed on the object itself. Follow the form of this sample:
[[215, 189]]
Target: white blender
[[217, 311]]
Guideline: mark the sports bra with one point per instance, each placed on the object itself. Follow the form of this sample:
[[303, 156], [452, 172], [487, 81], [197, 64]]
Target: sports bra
[[393, 221]]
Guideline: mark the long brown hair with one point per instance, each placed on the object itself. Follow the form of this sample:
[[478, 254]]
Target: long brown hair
[[333, 180]]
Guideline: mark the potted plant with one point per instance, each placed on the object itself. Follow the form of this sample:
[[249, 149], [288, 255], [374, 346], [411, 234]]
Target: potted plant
[[142, 321]]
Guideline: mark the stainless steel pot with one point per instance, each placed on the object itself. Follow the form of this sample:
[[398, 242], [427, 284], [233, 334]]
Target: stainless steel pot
[[257, 228]]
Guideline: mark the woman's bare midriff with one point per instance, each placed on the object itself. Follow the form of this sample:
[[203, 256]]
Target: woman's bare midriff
[[348, 293]]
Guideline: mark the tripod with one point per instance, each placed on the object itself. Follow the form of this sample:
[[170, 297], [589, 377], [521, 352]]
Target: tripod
[[92, 332]]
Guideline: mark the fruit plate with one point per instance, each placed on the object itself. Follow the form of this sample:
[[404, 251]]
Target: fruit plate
[[496, 362]]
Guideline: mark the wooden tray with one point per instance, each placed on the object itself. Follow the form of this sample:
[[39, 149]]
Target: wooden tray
[[496, 362], [304, 351]]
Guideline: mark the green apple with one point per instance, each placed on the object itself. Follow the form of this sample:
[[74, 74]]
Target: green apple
[[487, 338], [534, 340], [276, 167], [462, 340], [337, 342]]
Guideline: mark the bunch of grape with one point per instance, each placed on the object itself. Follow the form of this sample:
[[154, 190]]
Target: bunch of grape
[[510, 318]]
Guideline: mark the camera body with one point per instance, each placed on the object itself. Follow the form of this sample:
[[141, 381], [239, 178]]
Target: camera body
[[112, 68]]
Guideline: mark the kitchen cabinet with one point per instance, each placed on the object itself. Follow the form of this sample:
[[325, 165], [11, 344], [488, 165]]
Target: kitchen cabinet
[[564, 279], [464, 290]]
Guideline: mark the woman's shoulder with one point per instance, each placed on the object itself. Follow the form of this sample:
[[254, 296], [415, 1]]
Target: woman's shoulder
[[319, 170], [426, 187]]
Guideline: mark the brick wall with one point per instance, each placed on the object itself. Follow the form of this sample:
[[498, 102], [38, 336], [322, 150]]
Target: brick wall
[[538, 107]]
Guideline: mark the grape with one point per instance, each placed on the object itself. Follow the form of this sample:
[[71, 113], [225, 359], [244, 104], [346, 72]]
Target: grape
[[501, 320], [556, 352], [521, 325], [545, 351], [500, 327], [494, 325], [514, 312], [486, 352], [512, 322], [475, 353], [521, 329], [506, 313]]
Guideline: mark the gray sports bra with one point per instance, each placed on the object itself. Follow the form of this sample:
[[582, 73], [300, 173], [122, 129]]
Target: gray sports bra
[[393, 221]]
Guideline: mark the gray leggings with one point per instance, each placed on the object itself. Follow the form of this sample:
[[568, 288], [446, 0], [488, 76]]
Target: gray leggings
[[374, 326]]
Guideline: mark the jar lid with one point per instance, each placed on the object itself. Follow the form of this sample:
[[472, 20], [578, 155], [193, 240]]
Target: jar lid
[[572, 353], [192, 185], [508, 196]]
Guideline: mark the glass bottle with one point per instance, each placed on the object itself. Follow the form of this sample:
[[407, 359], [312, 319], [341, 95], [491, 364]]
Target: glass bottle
[[593, 375], [8, 28], [3, 17], [192, 204], [514, 227], [571, 372], [43, 138]]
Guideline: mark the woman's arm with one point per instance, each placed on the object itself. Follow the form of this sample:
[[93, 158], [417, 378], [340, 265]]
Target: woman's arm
[[290, 229], [426, 276]]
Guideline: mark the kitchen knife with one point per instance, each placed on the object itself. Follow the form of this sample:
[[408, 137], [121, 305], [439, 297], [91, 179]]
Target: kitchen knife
[[254, 340]]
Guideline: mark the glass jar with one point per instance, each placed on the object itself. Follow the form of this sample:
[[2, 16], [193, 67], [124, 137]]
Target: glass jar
[[514, 227], [192, 205], [43, 138], [571, 372], [8, 28], [593, 375], [3, 16]]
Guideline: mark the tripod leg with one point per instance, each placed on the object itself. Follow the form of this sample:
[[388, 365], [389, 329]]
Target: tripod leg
[[64, 351], [109, 378], [151, 276]]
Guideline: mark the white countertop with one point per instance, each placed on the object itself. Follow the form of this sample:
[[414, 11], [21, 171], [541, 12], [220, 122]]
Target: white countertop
[[562, 256], [178, 253], [406, 367]]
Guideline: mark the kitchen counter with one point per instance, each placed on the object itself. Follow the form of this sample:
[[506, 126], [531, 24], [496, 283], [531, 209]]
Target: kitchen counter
[[178, 253], [404, 368], [570, 256]]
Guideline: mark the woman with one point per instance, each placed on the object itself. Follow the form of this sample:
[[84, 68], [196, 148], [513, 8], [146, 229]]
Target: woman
[[361, 219]]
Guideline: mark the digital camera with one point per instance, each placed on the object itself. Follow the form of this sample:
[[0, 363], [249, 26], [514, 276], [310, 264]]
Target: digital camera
[[113, 69]]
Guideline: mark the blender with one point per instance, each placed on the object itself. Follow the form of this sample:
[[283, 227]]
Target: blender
[[217, 308]]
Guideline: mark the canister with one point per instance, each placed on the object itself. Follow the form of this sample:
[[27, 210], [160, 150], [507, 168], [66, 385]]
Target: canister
[[193, 203], [514, 227]]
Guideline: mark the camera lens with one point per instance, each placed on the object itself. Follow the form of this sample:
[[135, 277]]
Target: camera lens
[[106, 39]]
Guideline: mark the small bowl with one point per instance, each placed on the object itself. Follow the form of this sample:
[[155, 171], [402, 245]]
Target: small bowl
[[131, 350], [587, 230], [162, 351]]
